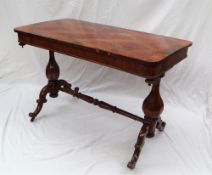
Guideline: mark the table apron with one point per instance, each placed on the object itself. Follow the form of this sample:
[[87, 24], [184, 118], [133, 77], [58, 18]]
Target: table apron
[[121, 63]]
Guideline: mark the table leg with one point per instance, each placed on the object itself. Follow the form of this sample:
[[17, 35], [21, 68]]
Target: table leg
[[52, 88], [152, 107], [138, 146]]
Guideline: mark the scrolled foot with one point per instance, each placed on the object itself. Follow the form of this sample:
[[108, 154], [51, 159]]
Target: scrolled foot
[[161, 125], [131, 165], [32, 116], [138, 146], [40, 101]]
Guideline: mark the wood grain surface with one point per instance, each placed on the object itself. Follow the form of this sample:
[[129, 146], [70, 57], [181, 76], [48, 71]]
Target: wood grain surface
[[111, 46]]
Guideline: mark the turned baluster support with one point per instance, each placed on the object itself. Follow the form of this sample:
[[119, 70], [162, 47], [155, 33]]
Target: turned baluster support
[[52, 88], [152, 107], [52, 73]]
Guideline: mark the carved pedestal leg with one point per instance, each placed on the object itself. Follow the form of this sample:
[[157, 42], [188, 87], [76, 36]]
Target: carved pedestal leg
[[138, 146], [52, 73], [40, 101], [152, 107]]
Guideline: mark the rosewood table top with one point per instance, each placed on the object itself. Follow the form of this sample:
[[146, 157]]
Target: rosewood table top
[[144, 54]]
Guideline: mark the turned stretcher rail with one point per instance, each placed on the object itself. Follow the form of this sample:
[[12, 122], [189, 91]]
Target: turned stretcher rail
[[102, 104]]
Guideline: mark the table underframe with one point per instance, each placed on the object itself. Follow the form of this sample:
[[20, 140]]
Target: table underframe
[[152, 106]]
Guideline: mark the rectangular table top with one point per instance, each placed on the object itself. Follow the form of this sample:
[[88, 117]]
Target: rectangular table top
[[139, 53]]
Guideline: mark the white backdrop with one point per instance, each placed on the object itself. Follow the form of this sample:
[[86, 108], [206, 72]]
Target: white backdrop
[[72, 137]]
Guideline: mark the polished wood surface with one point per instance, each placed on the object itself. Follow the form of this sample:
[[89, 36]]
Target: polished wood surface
[[139, 53]]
